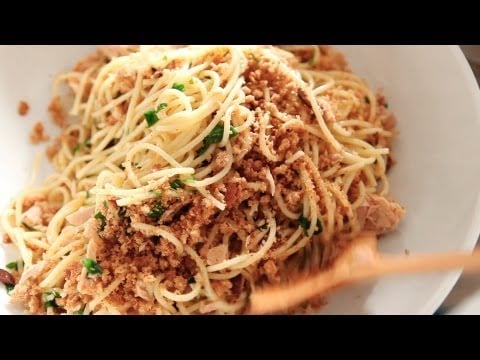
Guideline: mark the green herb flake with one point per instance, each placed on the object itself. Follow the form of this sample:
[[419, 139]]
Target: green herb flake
[[68, 252], [151, 117], [76, 148], [88, 143], [162, 106], [305, 224], [367, 99], [264, 227], [92, 267], [9, 288], [79, 311], [202, 150], [12, 266], [233, 132], [103, 220], [88, 194], [215, 137], [178, 86], [105, 203], [28, 227], [48, 298], [156, 211], [176, 184], [164, 57]]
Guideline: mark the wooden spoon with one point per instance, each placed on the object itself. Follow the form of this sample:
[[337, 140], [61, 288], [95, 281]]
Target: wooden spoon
[[359, 262]]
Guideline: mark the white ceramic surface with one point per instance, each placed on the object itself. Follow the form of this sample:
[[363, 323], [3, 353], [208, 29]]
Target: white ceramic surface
[[464, 298], [434, 95]]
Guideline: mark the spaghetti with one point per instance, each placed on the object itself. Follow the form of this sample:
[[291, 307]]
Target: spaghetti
[[187, 176]]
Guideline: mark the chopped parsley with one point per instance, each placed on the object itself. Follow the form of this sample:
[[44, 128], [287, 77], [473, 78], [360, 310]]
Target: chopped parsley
[[9, 288], [49, 297], [164, 57], [12, 266], [88, 194], [28, 227], [156, 211], [105, 203], [264, 227], [87, 143], [161, 106], [176, 184], [178, 86], [103, 220], [305, 224], [92, 267], [367, 99], [76, 148], [151, 116], [233, 132], [191, 82], [79, 311], [215, 137]]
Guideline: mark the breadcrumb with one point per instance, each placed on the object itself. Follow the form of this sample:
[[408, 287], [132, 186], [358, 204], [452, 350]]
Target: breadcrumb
[[37, 135], [57, 112], [23, 108]]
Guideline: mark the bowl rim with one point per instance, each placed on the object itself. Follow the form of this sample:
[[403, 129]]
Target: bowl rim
[[450, 280]]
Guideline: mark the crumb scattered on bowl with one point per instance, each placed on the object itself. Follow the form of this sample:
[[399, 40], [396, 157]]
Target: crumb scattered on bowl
[[57, 112], [407, 252], [23, 108], [37, 135], [53, 149]]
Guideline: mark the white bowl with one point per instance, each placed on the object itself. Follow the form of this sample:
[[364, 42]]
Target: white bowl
[[432, 91]]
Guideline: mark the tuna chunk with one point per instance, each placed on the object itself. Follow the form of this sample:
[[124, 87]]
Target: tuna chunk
[[379, 214]]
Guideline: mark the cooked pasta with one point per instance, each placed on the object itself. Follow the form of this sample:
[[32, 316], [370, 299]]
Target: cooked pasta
[[187, 176]]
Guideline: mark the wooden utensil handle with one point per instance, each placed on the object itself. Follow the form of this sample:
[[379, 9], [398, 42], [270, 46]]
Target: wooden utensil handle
[[283, 297]]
